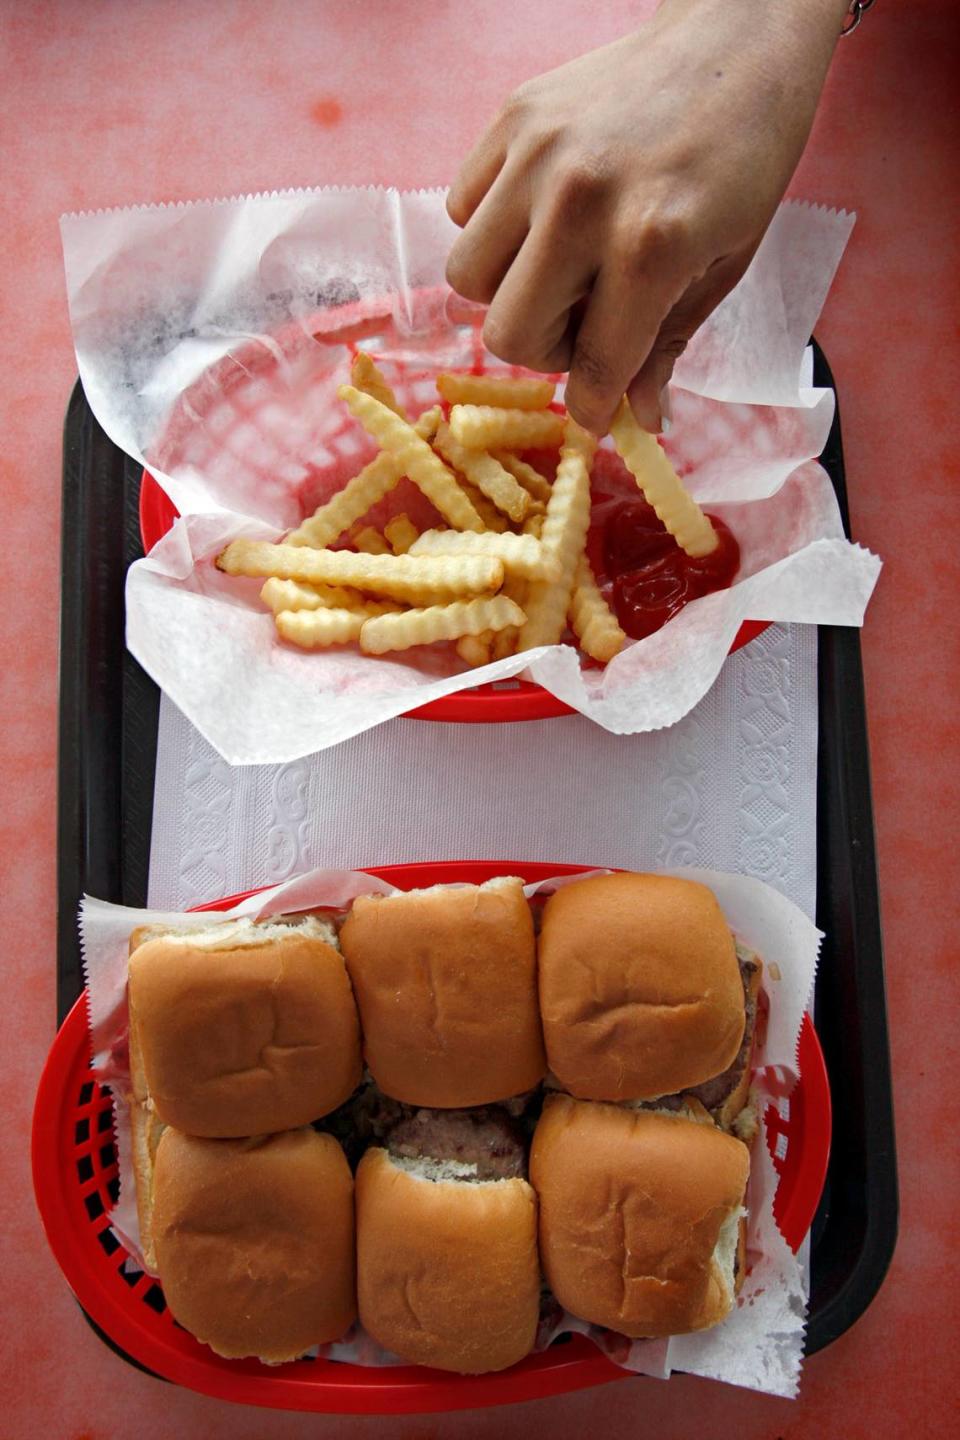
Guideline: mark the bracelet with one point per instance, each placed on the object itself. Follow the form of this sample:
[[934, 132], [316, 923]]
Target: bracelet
[[854, 15]]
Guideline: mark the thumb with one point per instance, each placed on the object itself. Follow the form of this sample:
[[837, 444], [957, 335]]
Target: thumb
[[645, 391]]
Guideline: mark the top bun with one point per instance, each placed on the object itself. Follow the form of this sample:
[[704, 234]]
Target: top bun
[[640, 991], [254, 1241], [242, 1029], [445, 981], [640, 1215]]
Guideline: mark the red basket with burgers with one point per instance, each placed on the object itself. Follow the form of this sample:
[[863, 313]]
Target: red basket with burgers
[[467, 1117]]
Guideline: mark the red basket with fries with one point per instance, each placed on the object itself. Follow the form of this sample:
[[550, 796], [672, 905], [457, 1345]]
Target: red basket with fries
[[76, 1185], [239, 419]]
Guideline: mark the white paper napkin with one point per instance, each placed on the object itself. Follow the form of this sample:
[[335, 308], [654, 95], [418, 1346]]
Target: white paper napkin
[[731, 786]]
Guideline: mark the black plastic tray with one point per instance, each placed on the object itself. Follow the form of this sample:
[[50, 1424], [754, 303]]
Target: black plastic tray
[[108, 739]]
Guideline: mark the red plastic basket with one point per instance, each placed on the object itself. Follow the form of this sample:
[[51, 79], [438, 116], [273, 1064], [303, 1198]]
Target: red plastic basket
[[75, 1181], [229, 383]]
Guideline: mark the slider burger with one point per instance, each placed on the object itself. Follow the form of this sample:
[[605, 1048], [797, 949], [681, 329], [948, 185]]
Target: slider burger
[[241, 1028], [641, 1215], [253, 1240], [445, 981], [644, 994], [447, 1269]]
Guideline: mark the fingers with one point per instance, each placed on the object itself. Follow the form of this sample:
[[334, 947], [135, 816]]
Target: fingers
[[529, 320], [618, 332], [645, 391], [482, 255], [477, 173]]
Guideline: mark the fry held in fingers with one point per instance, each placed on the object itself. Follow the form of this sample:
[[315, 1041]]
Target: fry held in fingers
[[399, 576], [662, 488], [437, 622], [510, 393], [487, 427], [413, 457]]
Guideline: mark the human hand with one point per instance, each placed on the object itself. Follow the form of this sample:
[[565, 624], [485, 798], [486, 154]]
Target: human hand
[[615, 201]]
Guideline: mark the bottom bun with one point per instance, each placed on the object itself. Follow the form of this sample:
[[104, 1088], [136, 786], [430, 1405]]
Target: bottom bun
[[447, 1269], [640, 1216], [254, 1241]]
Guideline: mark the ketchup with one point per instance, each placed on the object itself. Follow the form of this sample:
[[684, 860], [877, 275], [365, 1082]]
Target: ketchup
[[644, 572]]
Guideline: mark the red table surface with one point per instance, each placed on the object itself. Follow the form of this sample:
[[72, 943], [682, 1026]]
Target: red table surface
[[109, 103]]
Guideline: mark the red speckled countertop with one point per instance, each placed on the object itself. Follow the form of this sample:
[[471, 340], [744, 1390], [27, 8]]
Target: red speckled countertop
[[108, 103]]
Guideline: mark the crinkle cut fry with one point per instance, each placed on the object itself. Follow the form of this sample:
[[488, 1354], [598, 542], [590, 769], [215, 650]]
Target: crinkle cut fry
[[503, 391], [413, 457], [532, 481], [486, 427], [367, 376], [374, 481], [661, 485], [400, 576], [591, 619], [521, 554], [438, 622], [564, 536], [316, 629], [487, 474], [280, 595], [401, 532]]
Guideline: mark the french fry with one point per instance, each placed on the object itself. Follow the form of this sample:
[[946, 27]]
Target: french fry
[[488, 512], [368, 377], [370, 542], [532, 481], [487, 474], [486, 427], [511, 393], [661, 486], [313, 629], [429, 422], [505, 641], [399, 576], [533, 525], [280, 595], [401, 532], [521, 554], [437, 622], [371, 484], [591, 619], [413, 457], [563, 537], [474, 650]]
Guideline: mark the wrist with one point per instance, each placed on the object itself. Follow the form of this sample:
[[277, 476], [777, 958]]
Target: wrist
[[797, 19]]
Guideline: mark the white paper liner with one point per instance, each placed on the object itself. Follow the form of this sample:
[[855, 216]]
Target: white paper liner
[[760, 1345], [159, 296]]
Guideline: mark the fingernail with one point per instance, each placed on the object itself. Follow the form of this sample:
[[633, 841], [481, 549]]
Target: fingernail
[[666, 409]]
